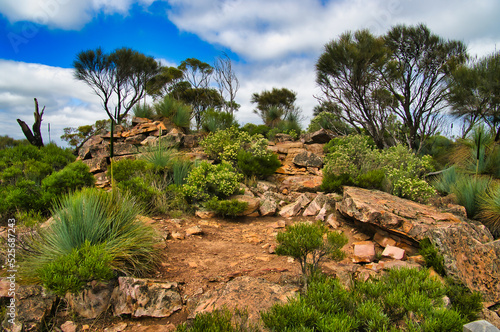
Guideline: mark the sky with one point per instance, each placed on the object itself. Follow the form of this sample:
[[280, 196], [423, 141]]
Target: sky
[[271, 43]]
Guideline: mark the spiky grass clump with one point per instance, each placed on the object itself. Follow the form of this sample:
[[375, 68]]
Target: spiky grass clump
[[96, 218], [160, 155], [489, 206], [468, 189], [446, 180], [143, 111]]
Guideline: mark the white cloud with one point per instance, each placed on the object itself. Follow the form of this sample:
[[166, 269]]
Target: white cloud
[[63, 14], [68, 102]]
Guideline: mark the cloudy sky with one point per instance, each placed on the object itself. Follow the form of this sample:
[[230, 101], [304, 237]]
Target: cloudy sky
[[272, 43]]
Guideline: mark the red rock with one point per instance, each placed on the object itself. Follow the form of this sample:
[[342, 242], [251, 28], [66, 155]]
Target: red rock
[[364, 252], [384, 240], [393, 252]]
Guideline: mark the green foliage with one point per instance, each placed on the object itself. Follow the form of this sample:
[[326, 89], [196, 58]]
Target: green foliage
[[9, 142], [329, 121], [468, 188], [142, 190], [73, 177], [126, 169], [305, 243], [161, 155], [219, 320], [77, 136], [224, 145], [143, 111], [432, 256], [102, 219], [206, 181], [180, 170], [334, 183], [489, 209], [372, 179], [465, 302], [70, 273], [401, 300], [175, 110], [258, 166], [439, 148], [253, 129], [213, 121], [226, 208], [446, 180]]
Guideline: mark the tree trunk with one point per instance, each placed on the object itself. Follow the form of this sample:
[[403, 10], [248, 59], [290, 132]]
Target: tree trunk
[[35, 136]]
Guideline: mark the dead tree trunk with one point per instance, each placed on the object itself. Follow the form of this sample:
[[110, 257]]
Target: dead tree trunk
[[35, 137]]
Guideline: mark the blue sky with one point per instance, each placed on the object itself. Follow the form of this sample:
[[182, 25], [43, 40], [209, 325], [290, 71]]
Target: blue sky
[[272, 43]]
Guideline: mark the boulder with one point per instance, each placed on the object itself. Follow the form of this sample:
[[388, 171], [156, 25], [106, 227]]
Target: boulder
[[97, 165], [396, 215], [480, 326], [145, 297], [321, 136], [302, 183], [280, 137], [471, 256], [308, 159], [255, 294], [364, 252], [393, 252], [122, 148], [32, 307], [253, 203], [84, 150], [294, 208], [93, 300], [315, 206], [268, 206]]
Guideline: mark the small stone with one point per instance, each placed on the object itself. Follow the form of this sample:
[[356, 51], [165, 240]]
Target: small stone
[[393, 252], [195, 230], [290, 260], [205, 214], [332, 221], [272, 249], [480, 325], [178, 236], [69, 326], [116, 328], [418, 259], [85, 327], [361, 236], [364, 252], [383, 240]]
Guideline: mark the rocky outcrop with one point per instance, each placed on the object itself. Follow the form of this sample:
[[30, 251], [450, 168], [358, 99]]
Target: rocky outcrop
[[93, 300], [471, 256], [255, 294], [145, 297]]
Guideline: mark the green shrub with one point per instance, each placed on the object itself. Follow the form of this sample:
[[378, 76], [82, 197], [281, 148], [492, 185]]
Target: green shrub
[[224, 145], [219, 320], [206, 181], [371, 180], [305, 243], [334, 183], [468, 189], [432, 256], [463, 301], [69, 273], [253, 129], [143, 111], [400, 300], [489, 209], [226, 208], [142, 191], [446, 180], [107, 220], [213, 121], [73, 177], [161, 156], [175, 110], [260, 166], [180, 170], [127, 169], [329, 121]]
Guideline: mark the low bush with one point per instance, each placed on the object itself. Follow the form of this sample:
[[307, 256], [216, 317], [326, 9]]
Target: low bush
[[74, 176], [468, 189], [107, 222], [489, 209], [446, 180], [206, 181], [260, 166], [143, 111], [213, 121], [220, 320], [226, 208], [309, 244], [400, 300], [432, 256], [253, 129]]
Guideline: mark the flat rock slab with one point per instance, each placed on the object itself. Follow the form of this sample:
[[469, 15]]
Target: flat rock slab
[[256, 294], [480, 326], [397, 215]]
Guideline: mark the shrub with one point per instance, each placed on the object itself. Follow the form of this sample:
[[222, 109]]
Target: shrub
[[446, 180], [126, 169], [334, 183], [465, 302], [330, 121], [73, 177], [107, 220], [142, 191], [468, 189], [213, 121], [305, 243], [219, 320], [489, 209], [175, 110], [253, 129], [224, 145], [432, 256], [371, 180], [69, 273], [143, 111], [400, 300], [206, 181], [226, 208], [260, 166], [160, 155], [180, 170]]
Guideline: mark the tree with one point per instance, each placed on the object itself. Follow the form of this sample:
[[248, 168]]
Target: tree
[[415, 75], [227, 82], [275, 105], [118, 78], [474, 93], [348, 73], [164, 82], [35, 136], [76, 137]]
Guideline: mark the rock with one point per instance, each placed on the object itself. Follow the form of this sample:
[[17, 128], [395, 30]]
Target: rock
[[195, 230], [155, 328], [205, 214], [383, 239], [280, 137], [145, 297], [253, 203], [471, 256], [393, 252], [397, 264], [135, 140], [117, 327], [84, 151], [490, 316], [268, 207], [255, 294], [308, 159], [322, 213], [399, 216], [294, 208], [315, 206], [191, 141], [285, 147], [480, 326], [137, 120], [178, 236], [68, 326], [364, 252], [302, 183], [32, 306], [265, 186], [97, 164], [321, 136], [93, 300], [150, 140], [332, 221]]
